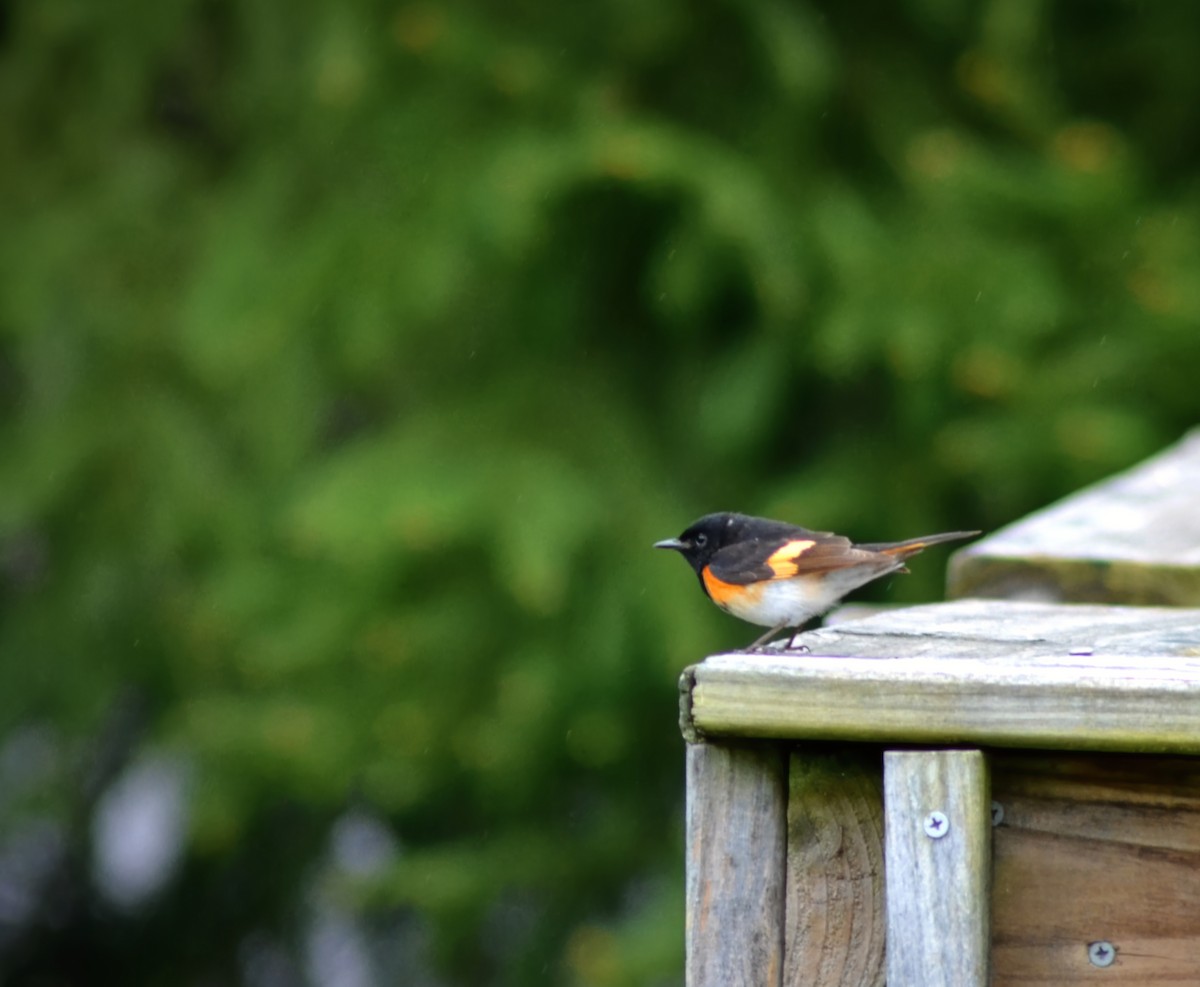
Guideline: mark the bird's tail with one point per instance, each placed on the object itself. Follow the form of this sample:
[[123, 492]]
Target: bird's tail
[[903, 549]]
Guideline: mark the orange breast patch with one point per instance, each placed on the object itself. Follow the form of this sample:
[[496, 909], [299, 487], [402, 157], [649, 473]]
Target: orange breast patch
[[730, 596]]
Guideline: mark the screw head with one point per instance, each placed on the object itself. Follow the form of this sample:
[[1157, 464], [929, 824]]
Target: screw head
[[997, 813], [937, 825], [1102, 953]]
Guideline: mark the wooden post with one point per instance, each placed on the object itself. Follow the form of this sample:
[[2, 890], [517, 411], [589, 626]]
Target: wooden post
[[736, 832], [834, 914], [937, 834]]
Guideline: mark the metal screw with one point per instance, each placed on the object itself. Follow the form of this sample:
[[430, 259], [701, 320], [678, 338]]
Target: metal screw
[[997, 813], [936, 825], [1102, 952]]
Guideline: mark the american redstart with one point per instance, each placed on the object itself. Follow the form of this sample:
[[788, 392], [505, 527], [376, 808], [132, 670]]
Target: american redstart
[[779, 575]]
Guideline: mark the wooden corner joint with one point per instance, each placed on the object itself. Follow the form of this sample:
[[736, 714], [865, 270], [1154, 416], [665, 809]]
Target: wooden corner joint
[[687, 725]]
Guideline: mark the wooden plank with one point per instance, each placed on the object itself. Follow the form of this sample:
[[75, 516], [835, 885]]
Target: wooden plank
[[736, 832], [835, 923], [937, 811], [1134, 538], [975, 671], [1096, 849]]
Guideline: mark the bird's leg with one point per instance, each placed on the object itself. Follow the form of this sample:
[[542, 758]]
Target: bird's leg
[[758, 645], [759, 642], [791, 645]]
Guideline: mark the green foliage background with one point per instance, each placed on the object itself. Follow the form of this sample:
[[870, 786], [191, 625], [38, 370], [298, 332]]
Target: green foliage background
[[352, 354]]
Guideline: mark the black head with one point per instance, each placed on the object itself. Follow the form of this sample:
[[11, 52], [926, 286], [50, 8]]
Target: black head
[[706, 537]]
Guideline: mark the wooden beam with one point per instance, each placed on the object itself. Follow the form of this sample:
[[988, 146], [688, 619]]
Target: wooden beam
[[938, 839], [736, 833], [834, 914], [1095, 851], [1134, 538], [985, 672]]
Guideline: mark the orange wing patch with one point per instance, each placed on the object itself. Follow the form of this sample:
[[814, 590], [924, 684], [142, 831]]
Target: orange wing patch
[[782, 561]]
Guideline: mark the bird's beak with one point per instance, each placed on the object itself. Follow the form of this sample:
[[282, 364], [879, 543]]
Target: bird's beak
[[674, 543]]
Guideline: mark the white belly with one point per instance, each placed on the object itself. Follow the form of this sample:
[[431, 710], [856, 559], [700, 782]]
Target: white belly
[[792, 602]]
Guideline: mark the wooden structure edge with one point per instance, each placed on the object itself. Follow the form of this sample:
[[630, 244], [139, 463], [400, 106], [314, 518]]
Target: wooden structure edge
[[1133, 538], [876, 682]]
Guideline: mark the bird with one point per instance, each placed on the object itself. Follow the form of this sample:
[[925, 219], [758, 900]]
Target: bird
[[780, 575]]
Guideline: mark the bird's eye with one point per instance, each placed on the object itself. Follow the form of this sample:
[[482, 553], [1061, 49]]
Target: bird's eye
[[700, 540]]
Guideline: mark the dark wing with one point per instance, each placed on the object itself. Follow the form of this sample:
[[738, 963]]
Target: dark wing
[[798, 553]]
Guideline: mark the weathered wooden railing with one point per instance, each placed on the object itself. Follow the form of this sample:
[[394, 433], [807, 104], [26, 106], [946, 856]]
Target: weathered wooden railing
[[985, 791]]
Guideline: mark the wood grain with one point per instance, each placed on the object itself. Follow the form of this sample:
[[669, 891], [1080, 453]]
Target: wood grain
[[835, 924], [988, 672], [937, 889], [1096, 848], [736, 834], [1134, 538]]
